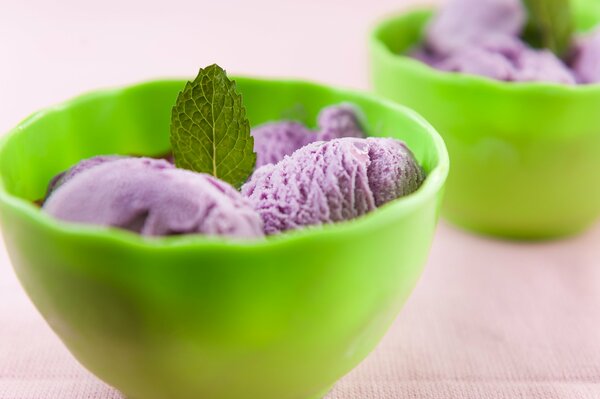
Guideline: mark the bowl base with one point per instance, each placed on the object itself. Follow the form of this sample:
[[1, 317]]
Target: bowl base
[[322, 394], [515, 234], [319, 396]]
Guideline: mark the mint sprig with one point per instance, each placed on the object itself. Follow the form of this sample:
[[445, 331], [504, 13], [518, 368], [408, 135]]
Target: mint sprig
[[210, 132], [549, 25]]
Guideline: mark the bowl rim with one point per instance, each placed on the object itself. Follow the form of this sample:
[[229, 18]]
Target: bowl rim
[[401, 61], [428, 190]]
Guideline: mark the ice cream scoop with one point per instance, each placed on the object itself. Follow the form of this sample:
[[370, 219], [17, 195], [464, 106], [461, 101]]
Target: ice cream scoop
[[541, 66], [392, 171], [476, 61], [513, 63], [586, 62], [153, 198], [481, 37], [339, 121], [327, 182], [461, 23], [273, 141], [83, 165]]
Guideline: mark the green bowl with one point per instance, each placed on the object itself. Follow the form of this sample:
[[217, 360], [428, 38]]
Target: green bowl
[[192, 317], [525, 156]]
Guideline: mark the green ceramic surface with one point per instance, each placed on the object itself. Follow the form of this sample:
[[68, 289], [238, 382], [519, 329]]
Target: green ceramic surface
[[525, 156], [191, 317]]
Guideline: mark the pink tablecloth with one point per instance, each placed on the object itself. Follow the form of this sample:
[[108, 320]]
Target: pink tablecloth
[[489, 319]]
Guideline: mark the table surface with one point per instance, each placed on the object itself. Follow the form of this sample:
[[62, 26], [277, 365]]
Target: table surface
[[488, 319]]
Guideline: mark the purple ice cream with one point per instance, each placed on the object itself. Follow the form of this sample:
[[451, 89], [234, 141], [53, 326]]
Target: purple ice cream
[[82, 166], [511, 64], [586, 61], [153, 198], [541, 66], [462, 23], [273, 141], [481, 37], [338, 121], [477, 60], [327, 182]]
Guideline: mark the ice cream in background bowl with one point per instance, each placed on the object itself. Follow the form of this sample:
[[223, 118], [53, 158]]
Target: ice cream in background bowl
[[522, 136], [188, 316]]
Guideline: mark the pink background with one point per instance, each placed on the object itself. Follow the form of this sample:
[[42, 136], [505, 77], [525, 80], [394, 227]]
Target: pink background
[[489, 319]]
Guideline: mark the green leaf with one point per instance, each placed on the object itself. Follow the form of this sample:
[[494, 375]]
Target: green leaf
[[209, 129], [550, 25]]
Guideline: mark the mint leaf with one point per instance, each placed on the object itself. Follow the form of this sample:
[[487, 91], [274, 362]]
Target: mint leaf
[[550, 25], [209, 129]]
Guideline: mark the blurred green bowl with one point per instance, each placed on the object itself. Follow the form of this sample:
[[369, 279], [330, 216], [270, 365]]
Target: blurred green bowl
[[192, 317], [525, 156]]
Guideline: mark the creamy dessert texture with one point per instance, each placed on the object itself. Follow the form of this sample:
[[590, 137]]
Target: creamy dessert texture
[[273, 141], [483, 37], [302, 178], [153, 197], [327, 182]]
